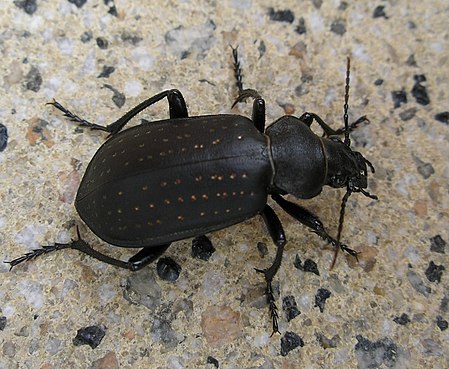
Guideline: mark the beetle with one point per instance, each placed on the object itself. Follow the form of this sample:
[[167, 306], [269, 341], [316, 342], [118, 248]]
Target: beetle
[[168, 180]]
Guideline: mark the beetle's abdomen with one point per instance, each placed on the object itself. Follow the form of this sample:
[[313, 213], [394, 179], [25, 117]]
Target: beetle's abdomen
[[174, 179]]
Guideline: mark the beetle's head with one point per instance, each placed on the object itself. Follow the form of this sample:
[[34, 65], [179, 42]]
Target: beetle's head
[[346, 168]]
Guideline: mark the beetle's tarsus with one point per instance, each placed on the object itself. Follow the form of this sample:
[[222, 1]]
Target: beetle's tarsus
[[78, 244], [353, 125], [243, 93], [75, 118], [237, 70], [308, 118], [37, 252], [273, 308], [270, 300], [277, 234], [349, 251], [330, 240]]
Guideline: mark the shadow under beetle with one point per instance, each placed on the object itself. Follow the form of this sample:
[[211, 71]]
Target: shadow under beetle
[[182, 177]]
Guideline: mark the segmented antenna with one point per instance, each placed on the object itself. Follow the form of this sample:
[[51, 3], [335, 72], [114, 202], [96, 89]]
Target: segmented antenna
[[346, 105], [340, 224], [347, 142]]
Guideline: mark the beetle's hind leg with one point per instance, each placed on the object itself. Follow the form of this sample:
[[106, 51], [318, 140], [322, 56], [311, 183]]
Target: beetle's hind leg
[[258, 115], [136, 262], [176, 103], [277, 234]]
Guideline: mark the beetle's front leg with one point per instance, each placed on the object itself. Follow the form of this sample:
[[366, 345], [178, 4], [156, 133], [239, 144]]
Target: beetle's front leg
[[176, 103], [353, 125], [310, 220], [276, 231], [308, 118]]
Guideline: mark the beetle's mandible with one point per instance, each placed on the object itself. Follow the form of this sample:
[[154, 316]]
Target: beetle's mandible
[[182, 177]]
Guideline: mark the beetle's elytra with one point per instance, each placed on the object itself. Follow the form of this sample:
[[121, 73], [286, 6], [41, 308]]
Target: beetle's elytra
[[175, 179], [172, 179]]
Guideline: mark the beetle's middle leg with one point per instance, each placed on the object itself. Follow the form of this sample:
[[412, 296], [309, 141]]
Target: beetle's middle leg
[[310, 220], [277, 234], [176, 103]]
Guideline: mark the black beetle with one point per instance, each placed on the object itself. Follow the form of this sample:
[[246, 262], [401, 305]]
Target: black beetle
[[172, 179]]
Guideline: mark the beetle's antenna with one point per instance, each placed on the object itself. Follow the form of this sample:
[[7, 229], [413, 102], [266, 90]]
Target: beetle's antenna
[[340, 224], [347, 142], [346, 105]]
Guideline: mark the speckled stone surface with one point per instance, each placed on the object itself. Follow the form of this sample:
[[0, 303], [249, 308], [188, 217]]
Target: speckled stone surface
[[391, 309]]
